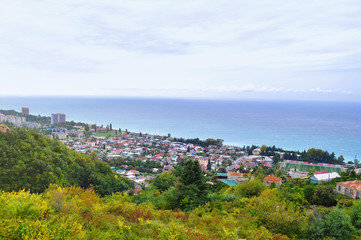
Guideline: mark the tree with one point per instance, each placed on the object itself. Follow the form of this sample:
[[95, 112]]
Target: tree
[[355, 214], [276, 158], [308, 192], [164, 181], [209, 165], [263, 148], [311, 171], [222, 169], [280, 173], [316, 230], [192, 187], [338, 225], [324, 195], [250, 188]]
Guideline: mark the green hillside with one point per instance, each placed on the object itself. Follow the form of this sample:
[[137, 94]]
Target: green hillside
[[306, 168], [31, 161]]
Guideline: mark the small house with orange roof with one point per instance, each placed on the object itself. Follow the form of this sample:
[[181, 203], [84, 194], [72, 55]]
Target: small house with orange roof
[[269, 179], [4, 128], [351, 189], [234, 175]]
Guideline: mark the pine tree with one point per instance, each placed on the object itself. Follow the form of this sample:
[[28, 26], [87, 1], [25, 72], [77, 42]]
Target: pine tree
[[209, 165], [192, 188]]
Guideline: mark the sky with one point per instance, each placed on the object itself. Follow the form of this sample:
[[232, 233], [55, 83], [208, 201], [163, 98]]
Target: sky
[[256, 49]]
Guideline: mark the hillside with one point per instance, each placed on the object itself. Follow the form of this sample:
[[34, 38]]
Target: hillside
[[32, 162]]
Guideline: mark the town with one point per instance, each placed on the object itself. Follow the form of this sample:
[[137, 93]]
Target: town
[[142, 156]]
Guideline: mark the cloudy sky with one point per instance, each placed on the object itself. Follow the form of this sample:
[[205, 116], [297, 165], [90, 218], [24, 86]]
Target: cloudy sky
[[266, 49]]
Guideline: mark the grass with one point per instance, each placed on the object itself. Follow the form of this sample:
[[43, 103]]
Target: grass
[[306, 168]]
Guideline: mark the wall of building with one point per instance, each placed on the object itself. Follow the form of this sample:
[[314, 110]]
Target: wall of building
[[348, 191]]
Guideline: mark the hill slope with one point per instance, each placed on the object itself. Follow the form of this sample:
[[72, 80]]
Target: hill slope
[[31, 161]]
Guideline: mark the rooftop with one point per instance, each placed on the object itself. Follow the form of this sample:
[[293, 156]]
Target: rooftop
[[229, 182], [351, 184], [235, 174], [273, 179]]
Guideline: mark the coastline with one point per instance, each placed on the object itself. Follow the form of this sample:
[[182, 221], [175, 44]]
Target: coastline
[[327, 126]]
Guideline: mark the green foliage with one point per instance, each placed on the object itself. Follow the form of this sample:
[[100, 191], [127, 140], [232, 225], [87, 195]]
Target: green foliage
[[308, 192], [164, 181], [192, 188], [338, 225], [198, 142], [355, 214], [145, 167], [316, 229], [319, 155], [324, 195], [248, 189], [32, 162]]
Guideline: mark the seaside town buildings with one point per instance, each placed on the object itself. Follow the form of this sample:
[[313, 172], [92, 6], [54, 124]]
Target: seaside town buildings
[[16, 121], [57, 118], [25, 111]]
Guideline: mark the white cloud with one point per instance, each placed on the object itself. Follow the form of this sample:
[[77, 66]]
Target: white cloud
[[271, 47]]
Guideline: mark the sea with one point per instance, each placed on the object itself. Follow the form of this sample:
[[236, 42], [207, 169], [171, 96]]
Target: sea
[[291, 125]]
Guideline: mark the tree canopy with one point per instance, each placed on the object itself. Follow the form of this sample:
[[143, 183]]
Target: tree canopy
[[32, 162]]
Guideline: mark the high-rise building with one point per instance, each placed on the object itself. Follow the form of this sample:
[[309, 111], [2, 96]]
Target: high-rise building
[[25, 111], [57, 118]]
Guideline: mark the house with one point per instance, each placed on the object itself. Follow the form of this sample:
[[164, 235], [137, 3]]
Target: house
[[324, 177], [122, 172], [3, 128], [232, 168], [256, 151], [238, 177], [269, 179], [320, 172], [135, 172], [351, 188], [234, 175]]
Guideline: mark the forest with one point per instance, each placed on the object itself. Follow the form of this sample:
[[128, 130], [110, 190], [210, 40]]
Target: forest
[[31, 161]]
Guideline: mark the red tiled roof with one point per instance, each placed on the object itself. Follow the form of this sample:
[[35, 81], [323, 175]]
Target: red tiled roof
[[351, 184], [235, 174], [272, 179]]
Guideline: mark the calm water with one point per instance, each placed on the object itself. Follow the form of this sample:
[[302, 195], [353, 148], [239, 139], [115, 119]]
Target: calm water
[[332, 126]]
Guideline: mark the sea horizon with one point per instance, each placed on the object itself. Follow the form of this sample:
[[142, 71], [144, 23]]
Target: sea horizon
[[291, 125]]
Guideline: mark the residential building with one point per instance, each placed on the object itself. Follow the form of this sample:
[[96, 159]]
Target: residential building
[[256, 151], [239, 178], [351, 188], [269, 179], [3, 128], [324, 177], [57, 118], [25, 111]]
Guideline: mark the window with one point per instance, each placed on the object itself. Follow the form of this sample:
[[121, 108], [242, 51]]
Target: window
[[339, 188]]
